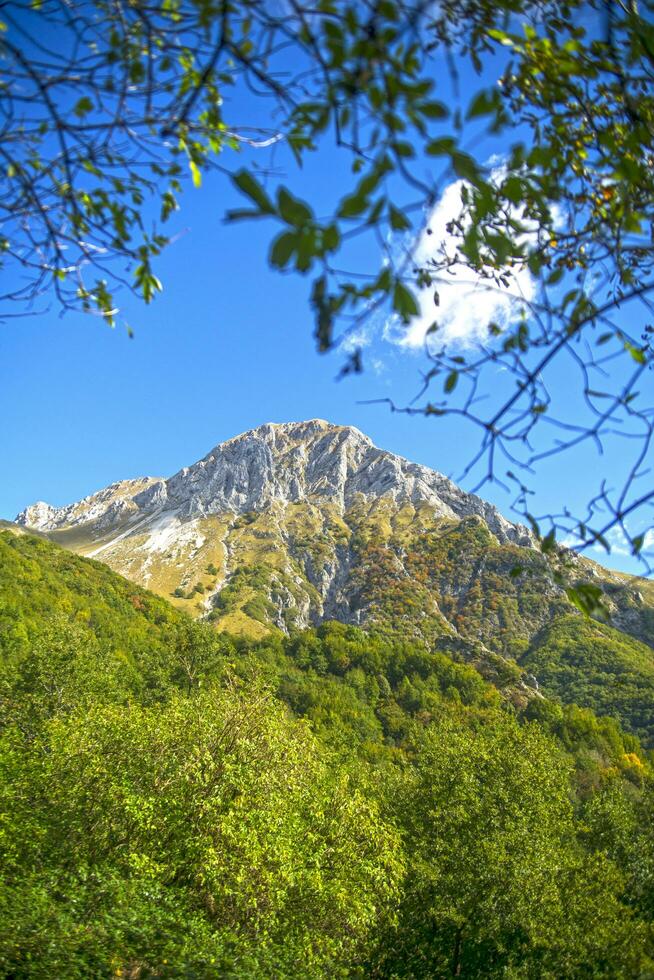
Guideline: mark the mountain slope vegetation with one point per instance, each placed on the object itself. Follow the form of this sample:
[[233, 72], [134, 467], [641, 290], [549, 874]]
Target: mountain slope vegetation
[[584, 662], [334, 802]]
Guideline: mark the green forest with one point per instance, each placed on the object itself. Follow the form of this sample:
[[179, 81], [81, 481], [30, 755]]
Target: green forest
[[176, 802]]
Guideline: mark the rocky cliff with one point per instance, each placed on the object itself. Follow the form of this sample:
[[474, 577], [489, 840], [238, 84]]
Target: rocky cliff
[[278, 464], [290, 524]]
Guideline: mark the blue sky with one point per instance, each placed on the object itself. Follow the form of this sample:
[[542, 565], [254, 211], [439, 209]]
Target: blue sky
[[226, 347]]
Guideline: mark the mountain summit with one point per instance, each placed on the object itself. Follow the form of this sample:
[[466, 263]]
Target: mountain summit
[[288, 463], [290, 525]]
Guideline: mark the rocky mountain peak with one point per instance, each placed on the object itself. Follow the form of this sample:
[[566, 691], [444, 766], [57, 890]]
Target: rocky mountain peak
[[37, 515], [297, 432], [283, 464]]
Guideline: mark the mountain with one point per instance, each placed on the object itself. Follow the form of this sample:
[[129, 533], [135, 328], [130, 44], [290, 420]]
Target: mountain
[[294, 463], [331, 801], [290, 498], [290, 525]]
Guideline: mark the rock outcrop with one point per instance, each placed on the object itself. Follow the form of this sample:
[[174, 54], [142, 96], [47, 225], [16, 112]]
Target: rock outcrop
[[286, 464]]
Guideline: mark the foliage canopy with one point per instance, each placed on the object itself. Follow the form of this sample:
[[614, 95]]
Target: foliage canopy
[[174, 802]]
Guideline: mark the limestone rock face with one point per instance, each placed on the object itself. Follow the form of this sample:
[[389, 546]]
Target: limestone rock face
[[290, 463], [40, 516], [106, 506], [289, 525]]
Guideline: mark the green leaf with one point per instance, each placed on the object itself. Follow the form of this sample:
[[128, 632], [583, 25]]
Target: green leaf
[[500, 36], [399, 221], [637, 353], [196, 175], [404, 302], [403, 149], [513, 189], [433, 110], [292, 210], [251, 187], [588, 600], [83, 107], [533, 523], [282, 249], [569, 296], [465, 166], [352, 205], [483, 104], [331, 238], [239, 214], [306, 249], [440, 147], [370, 182], [548, 544], [451, 382]]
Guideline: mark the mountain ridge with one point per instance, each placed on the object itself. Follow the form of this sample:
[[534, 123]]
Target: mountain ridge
[[286, 462]]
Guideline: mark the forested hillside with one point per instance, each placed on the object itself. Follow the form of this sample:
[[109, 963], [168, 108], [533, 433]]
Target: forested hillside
[[177, 802]]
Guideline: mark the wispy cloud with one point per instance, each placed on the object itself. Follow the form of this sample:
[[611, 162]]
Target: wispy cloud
[[357, 339], [621, 546], [467, 304], [617, 541]]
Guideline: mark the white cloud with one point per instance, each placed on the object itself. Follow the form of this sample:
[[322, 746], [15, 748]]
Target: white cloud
[[617, 542], [467, 304], [620, 545], [358, 339]]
